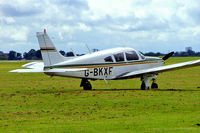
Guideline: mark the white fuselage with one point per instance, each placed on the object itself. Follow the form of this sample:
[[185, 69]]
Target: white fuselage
[[100, 68]]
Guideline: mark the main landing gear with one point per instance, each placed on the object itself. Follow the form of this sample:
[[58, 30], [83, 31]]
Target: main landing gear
[[86, 84], [145, 82], [154, 85]]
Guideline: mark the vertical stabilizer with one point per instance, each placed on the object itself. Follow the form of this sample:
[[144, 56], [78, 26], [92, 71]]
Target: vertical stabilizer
[[49, 53]]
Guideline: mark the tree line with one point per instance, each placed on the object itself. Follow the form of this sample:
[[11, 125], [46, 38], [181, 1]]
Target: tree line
[[188, 52], [36, 54], [31, 55]]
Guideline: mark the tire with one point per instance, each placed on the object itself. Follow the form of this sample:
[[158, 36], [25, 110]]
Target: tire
[[87, 86], [143, 86], [154, 86]]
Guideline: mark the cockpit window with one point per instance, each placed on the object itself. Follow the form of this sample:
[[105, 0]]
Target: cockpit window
[[142, 56], [119, 57], [108, 59], [132, 55]]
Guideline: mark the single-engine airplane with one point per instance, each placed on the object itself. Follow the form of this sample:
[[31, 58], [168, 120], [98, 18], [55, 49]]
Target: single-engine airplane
[[111, 64]]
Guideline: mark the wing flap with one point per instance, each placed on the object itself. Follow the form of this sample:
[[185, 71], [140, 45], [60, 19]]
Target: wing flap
[[162, 69]]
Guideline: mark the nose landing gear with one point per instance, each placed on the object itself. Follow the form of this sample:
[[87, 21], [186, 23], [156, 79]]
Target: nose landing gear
[[154, 85], [145, 82]]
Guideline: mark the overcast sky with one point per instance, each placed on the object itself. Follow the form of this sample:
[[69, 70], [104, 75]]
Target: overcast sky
[[145, 25]]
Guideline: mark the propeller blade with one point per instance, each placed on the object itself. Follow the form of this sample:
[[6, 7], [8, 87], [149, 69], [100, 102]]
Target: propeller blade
[[168, 56]]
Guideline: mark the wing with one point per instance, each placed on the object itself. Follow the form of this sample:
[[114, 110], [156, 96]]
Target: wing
[[160, 69], [41, 70]]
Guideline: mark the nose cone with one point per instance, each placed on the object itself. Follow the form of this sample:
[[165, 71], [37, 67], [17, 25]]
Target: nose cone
[[159, 60]]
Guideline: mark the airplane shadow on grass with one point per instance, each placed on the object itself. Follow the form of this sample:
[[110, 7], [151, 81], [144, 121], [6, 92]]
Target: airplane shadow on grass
[[144, 90], [47, 91]]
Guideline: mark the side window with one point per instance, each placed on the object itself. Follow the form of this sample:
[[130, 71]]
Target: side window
[[132, 55], [108, 59], [119, 57]]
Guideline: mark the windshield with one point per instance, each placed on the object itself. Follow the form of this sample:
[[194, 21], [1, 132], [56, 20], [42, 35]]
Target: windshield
[[141, 55]]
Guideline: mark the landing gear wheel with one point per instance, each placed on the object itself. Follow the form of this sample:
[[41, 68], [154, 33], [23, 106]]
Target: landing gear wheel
[[154, 86], [86, 84], [144, 87]]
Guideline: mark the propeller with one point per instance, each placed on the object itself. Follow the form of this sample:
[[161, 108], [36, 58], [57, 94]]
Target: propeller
[[168, 55]]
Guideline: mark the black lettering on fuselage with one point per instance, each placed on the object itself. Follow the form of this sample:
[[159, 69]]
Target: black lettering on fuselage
[[101, 71], [110, 70], [105, 70], [95, 71], [86, 73]]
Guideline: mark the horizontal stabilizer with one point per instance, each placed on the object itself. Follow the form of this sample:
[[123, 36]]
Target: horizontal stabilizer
[[34, 65], [35, 70], [39, 70]]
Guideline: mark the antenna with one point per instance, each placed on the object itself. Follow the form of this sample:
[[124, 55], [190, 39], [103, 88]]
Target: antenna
[[88, 48]]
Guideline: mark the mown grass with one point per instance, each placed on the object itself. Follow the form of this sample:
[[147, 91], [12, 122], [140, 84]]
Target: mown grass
[[38, 103]]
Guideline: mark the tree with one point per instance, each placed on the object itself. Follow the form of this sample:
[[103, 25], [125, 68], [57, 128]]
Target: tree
[[31, 55], [25, 55], [190, 51], [19, 56], [38, 55], [3, 56], [12, 55]]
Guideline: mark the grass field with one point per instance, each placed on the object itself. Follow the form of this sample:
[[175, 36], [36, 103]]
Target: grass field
[[38, 103]]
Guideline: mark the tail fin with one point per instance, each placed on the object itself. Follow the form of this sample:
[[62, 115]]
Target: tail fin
[[49, 53]]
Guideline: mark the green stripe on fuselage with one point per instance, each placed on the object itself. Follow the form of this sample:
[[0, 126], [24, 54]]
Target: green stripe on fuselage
[[101, 64]]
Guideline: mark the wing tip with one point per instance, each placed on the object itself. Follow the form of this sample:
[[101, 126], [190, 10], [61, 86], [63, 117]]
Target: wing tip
[[14, 71]]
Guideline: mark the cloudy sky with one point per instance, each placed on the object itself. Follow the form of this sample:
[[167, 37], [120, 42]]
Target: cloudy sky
[[146, 25]]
